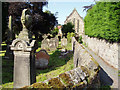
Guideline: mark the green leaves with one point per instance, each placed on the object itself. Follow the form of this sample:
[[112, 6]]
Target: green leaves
[[68, 28], [103, 21]]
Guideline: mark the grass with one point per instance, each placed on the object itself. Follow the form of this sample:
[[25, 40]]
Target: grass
[[56, 66], [118, 72]]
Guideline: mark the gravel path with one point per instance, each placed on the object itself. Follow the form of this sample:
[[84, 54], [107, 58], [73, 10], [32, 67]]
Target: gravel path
[[108, 75]]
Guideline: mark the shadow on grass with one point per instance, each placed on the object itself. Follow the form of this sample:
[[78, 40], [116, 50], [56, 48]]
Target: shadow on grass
[[55, 61], [7, 71]]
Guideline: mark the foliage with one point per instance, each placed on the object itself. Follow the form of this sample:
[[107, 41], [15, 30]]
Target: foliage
[[69, 35], [54, 32], [103, 21], [68, 28], [42, 22], [80, 39], [4, 20]]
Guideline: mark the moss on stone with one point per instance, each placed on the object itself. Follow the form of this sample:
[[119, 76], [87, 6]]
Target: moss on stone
[[86, 70], [65, 78], [40, 85], [80, 85], [55, 83]]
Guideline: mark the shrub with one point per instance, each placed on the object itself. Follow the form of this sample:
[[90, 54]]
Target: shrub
[[68, 28], [69, 35], [103, 21], [80, 39]]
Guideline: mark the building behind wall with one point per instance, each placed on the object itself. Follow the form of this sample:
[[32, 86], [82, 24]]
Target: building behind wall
[[77, 21]]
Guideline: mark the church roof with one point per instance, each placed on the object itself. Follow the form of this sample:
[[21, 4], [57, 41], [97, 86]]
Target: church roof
[[72, 13]]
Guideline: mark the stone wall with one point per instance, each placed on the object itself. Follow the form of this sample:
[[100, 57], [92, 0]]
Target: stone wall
[[107, 51]]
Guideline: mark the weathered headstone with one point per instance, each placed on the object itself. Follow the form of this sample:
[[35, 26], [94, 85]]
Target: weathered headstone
[[64, 42], [9, 53], [42, 59], [56, 41], [24, 58], [45, 44], [52, 44]]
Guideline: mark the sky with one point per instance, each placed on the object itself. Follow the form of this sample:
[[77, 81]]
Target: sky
[[65, 7]]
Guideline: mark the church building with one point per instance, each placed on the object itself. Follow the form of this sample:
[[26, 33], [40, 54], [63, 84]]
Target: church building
[[77, 21]]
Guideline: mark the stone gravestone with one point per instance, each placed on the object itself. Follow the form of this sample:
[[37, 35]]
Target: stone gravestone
[[56, 41], [42, 59], [9, 53], [64, 42], [52, 44], [24, 58], [45, 44]]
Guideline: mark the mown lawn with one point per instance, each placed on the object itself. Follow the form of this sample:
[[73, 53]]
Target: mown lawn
[[56, 66]]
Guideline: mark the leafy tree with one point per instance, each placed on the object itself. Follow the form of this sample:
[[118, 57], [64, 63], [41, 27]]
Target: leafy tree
[[4, 20], [54, 32], [103, 21], [68, 28], [42, 22]]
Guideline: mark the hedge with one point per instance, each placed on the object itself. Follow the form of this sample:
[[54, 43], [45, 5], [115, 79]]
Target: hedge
[[103, 21]]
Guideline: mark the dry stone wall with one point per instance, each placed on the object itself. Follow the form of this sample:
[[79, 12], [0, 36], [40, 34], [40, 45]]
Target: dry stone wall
[[107, 51]]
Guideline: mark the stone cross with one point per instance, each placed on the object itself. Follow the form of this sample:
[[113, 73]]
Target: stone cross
[[24, 55]]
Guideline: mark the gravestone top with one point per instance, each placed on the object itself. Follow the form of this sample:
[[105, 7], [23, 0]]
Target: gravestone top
[[42, 54], [26, 20]]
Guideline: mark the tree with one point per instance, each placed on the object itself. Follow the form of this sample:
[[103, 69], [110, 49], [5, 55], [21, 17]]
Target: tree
[[68, 28], [42, 22], [4, 20]]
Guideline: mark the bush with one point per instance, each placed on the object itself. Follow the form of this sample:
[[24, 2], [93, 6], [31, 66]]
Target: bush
[[54, 32], [68, 28], [69, 35], [80, 39], [103, 21]]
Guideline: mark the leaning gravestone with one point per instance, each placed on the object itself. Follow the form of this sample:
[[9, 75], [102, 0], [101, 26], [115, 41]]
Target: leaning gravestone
[[42, 59], [63, 42], [24, 58]]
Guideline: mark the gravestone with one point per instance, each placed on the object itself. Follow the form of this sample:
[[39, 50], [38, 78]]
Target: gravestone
[[9, 53], [42, 59], [52, 44], [64, 42], [24, 58], [56, 41], [45, 44]]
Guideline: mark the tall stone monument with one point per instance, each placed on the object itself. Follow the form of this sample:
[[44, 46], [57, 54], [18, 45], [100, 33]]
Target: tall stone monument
[[24, 58], [9, 53]]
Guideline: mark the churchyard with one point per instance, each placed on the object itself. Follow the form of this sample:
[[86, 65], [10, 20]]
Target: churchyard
[[38, 57], [56, 66]]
